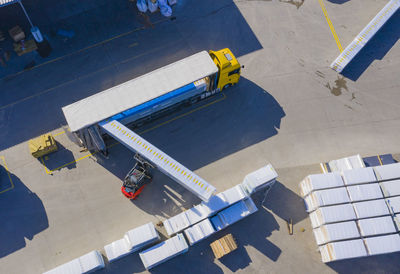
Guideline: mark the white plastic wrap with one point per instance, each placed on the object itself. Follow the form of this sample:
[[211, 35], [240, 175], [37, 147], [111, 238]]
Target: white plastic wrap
[[320, 181], [326, 197], [394, 204], [87, 263], [364, 192], [388, 172], [332, 214], [359, 176], [370, 209], [383, 244], [202, 211], [153, 6], [391, 188], [259, 179], [117, 249], [376, 226], [142, 236], [199, 231], [141, 5], [164, 251], [233, 214], [336, 232], [133, 240], [347, 163], [343, 250], [165, 9]]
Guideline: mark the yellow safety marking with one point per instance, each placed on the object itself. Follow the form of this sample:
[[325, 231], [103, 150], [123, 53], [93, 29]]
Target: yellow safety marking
[[380, 161], [330, 25], [59, 133], [142, 132], [9, 176]]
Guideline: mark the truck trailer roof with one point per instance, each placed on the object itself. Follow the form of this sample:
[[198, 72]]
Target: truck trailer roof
[[112, 101]]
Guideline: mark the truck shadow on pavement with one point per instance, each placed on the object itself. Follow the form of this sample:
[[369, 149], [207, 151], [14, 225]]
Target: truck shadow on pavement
[[22, 215], [376, 48]]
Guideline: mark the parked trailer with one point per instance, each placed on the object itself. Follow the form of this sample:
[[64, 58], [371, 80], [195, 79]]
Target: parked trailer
[[150, 96], [146, 98]]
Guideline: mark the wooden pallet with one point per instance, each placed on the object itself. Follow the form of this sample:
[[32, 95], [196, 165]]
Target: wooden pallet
[[223, 246]]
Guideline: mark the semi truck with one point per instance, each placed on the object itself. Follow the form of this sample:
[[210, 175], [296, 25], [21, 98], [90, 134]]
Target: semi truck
[[116, 111]]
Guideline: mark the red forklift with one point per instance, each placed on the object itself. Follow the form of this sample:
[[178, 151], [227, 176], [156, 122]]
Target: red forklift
[[137, 178]]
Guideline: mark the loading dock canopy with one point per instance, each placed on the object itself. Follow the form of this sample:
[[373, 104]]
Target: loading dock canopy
[[115, 100]]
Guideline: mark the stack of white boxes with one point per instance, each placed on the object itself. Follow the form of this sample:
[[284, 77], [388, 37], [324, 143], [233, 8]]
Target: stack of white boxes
[[164, 251], [354, 211], [87, 263], [133, 240]]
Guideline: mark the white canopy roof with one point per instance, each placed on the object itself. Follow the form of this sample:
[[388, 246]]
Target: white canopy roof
[[107, 103]]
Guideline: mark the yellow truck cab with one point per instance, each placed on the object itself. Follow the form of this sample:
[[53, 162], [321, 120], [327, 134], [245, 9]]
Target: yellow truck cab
[[228, 66]]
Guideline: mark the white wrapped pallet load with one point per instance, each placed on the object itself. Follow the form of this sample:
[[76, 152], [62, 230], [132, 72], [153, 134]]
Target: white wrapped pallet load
[[387, 172], [351, 162], [369, 209], [91, 262], [391, 188], [133, 240], [383, 244], [326, 197], [141, 5], [117, 249], [394, 204], [164, 251], [332, 214], [142, 236], [365, 192], [320, 181], [199, 231], [359, 176], [376, 226], [343, 250], [259, 179], [165, 9], [152, 5], [336, 232], [233, 214], [87, 263], [202, 211]]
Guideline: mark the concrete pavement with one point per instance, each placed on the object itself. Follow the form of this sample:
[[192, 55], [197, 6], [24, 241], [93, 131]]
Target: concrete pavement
[[289, 109]]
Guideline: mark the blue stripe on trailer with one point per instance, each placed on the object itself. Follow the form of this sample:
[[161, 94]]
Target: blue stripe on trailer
[[154, 102]]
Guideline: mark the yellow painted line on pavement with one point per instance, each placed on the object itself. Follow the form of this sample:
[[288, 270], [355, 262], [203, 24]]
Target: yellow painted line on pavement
[[380, 161], [9, 176], [142, 132], [330, 25], [59, 133]]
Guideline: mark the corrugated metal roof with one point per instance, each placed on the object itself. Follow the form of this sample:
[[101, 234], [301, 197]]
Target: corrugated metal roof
[[105, 104]]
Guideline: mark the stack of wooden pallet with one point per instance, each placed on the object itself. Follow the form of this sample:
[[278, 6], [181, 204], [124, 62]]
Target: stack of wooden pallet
[[223, 246]]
